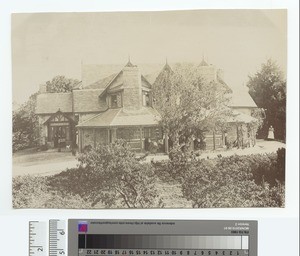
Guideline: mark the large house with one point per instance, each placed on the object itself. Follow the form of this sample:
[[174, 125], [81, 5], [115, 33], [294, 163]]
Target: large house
[[119, 106]]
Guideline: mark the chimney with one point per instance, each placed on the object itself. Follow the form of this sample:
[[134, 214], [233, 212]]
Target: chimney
[[43, 88], [132, 84]]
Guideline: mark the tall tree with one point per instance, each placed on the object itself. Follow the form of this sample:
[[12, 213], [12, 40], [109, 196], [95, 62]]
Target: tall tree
[[61, 84], [268, 89], [25, 125], [188, 105]]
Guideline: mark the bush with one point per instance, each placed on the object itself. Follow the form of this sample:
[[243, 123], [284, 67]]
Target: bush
[[111, 174], [34, 192], [179, 162], [235, 181], [228, 183]]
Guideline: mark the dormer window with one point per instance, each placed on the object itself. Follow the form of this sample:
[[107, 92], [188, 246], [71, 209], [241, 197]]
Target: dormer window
[[146, 99], [116, 100]]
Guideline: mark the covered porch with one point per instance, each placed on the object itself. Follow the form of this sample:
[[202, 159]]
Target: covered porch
[[139, 128]]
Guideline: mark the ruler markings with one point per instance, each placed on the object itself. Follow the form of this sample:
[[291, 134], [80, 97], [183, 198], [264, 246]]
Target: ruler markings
[[37, 238]]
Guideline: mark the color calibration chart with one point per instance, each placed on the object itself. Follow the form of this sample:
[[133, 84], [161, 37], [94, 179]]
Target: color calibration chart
[[164, 237]]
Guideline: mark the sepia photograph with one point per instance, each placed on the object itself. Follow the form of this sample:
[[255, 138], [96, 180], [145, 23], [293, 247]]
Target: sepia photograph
[[165, 109]]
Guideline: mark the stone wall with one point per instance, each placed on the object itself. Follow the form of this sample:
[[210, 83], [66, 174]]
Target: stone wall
[[132, 95]]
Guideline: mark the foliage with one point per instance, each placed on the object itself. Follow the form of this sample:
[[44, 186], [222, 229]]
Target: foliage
[[232, 182], [235, 181], [112, 174], [188, 105], [268, 89], [34, 192], [61, 84], [25, 125]]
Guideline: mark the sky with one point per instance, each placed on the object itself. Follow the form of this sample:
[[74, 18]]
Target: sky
[[238, 41]]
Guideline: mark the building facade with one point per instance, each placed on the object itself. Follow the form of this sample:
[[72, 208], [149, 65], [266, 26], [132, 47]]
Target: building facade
[[119, 106]]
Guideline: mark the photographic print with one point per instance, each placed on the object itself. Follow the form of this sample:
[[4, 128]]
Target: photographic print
[[169, 109]]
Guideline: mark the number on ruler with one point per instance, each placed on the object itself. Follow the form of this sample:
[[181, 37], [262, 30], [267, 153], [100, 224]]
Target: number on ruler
[[37, 238], [57, 238]]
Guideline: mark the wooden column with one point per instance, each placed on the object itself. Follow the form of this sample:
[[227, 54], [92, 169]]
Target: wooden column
[[79, 140], [94, 137], [108, 137], [141, 138], [166, 143], [214, 140]]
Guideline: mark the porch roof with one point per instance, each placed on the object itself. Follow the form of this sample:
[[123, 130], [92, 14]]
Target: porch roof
[[119, 117], [239, 117]]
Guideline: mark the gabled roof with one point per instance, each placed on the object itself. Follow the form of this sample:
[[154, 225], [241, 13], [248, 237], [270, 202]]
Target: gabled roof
[[48, 103], [164, 75], [118, 117], [88, 100], [59, 113], [203, 63]]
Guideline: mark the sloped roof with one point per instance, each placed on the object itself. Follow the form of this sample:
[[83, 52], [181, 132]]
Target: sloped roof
[[102, 83], [48, 103], [203, 63], [241, 98], [119, 117], [223, 84], [88, 100], [239, 117]]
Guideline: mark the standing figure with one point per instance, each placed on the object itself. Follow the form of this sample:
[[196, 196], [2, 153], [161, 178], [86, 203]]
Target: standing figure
[[271, 133]]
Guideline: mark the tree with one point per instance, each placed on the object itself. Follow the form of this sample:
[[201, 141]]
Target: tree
[[61, 84], [187, 104], [25, 125], [114, 175], [268, 89]]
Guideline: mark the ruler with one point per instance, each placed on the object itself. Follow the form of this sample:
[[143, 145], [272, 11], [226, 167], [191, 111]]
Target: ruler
[[38, 238], [57, 238], [47, 238]]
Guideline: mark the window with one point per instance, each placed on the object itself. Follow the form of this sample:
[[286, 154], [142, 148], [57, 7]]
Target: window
[[116, 101], [146, 99]]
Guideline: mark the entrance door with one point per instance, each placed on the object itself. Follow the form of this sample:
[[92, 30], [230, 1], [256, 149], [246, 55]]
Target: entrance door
[[60, 135]]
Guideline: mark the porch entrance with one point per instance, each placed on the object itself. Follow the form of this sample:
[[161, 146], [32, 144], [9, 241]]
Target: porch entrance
[[61, 130]]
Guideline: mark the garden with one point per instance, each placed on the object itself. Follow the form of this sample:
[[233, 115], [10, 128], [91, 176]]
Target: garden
[[112, 176]]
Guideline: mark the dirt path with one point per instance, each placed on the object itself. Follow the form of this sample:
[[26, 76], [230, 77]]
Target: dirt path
[[43, 163]]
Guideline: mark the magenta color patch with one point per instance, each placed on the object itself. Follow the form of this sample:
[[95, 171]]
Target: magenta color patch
[[82, 227]]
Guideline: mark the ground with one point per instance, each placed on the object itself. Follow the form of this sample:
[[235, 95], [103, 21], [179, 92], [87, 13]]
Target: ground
[[31, 161]]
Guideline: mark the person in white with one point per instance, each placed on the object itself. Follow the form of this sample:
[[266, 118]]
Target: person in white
[[271, 133]]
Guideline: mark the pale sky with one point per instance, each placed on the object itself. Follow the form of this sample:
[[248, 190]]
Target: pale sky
[[238, 41]]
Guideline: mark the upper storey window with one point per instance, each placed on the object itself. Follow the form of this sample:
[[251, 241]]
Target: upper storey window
[[115, 100], [146, 99]]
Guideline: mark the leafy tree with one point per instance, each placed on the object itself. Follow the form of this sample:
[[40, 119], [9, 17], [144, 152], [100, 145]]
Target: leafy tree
[[188, 105], [25, 125], [115, 176], [61, 84], [268, 89]]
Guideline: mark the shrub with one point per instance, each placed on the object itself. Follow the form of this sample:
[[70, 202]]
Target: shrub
[[235, 181], [228, 183], [111, 174], [32, 191], [179, 162]]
